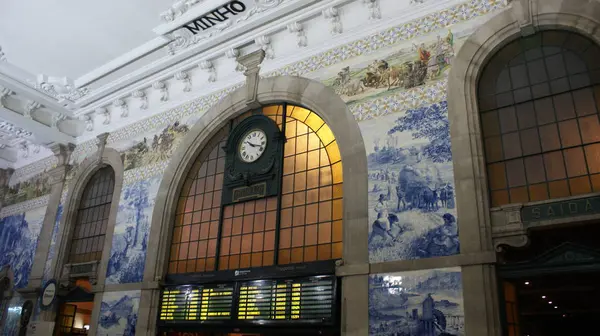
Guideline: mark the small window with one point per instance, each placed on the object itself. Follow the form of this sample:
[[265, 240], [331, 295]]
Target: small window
[[92, 217]]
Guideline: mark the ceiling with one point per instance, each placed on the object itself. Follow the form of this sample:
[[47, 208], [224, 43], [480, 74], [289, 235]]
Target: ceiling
[[73, 37]]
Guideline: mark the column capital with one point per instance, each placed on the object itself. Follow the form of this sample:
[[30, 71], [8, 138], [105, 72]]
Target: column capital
[[102, 140], [62, 152], [252, 64]]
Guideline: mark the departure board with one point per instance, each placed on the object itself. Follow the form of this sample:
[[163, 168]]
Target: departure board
[[309, 299], [197, 303]]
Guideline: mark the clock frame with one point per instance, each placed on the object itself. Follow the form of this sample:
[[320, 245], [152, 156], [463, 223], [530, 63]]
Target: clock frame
[[245, 181]]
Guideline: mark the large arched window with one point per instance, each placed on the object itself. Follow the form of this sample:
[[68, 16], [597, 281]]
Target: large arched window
[[92, 217], [303, 223], [539, 98]]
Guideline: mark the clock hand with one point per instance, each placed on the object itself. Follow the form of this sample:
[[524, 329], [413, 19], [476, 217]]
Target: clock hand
[[251, 144]]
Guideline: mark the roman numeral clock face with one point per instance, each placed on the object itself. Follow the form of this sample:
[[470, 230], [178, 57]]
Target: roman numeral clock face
[[252, 146]]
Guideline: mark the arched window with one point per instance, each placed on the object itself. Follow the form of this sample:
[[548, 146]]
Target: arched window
[[92, 217], [539, 98], [303, 223]]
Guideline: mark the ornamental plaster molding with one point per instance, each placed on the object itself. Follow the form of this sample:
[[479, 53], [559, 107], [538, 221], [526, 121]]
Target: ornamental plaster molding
[[183, 39], [162, 88], [141, 96], [178, 8], [4, 92], [88, 119], [234, 54], [60, 88], [333, 15], [298, 29], [373, 8], [121, 105], [2, 55], [104, 112], [261, 7], [264, 42], [209, 67], [185, 78], [56, 119], [31, 107]]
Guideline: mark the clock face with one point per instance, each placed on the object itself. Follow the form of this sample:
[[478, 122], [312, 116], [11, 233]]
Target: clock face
[[252, 146]]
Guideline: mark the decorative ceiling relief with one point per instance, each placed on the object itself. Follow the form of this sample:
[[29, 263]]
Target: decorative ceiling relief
[[183, 39], [298, 29], [60, 88], [141, 96], [183, 77], [261, 7], [162, 88], [2, 55], [333, 15], [56, 119], [179, 8], [89, 121]]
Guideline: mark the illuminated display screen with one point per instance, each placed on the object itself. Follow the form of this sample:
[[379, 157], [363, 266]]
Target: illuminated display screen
[[309, 300], [197, 303], [306, 299]]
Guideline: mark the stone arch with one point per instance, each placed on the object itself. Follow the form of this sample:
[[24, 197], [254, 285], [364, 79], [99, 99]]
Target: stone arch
[[294, 90], [522, 17], [104, 157]]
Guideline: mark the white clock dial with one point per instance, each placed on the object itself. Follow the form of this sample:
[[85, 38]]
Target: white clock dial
[[252, 146]]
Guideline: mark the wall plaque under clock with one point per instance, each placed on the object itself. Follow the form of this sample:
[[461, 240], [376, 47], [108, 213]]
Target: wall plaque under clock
[[253, 160]]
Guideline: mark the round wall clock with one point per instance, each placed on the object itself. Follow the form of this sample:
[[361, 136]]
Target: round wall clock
[[252, 145]]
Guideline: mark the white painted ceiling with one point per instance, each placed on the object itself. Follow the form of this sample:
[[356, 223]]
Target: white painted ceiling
[[69, 38]]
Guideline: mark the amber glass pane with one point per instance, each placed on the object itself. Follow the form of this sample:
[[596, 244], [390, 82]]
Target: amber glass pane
[[194, 241], [546, 146], [252, 234], [312, 191], [87, 241]]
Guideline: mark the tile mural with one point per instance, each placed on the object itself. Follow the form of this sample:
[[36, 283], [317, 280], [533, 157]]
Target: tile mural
[[418, 303], [128, 253], [52, 251], [412, 211], [118, 313], [27, 190], [18, 241], [394, 69]]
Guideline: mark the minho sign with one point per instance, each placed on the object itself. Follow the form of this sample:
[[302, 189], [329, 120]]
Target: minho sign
[[217, 16]]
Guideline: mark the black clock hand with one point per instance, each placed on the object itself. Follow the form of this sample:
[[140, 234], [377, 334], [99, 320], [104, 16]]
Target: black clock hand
[[251, 144]]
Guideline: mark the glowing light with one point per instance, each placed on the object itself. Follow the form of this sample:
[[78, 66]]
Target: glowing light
[[555, 307], [543, 296], [549, 302], [527, 282], [86, 327]]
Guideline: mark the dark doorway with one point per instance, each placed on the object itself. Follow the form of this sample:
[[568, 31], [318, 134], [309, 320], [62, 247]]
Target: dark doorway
[[551, 287]]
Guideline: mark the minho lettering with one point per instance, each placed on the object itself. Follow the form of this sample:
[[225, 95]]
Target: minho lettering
[[215, 17]]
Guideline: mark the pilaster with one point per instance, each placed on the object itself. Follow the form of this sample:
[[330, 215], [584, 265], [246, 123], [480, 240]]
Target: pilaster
[[252, 63], [57, 177]]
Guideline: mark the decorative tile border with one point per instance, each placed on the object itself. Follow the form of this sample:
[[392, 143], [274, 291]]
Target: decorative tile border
[[145, 172], [26, 172], [400, 101], [24, 206]]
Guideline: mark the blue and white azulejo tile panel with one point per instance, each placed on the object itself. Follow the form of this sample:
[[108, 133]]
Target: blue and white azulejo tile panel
[[418, 303], [118, 313], [130, 239]]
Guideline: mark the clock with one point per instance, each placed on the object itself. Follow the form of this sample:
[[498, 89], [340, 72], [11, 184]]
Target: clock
[[253, 160], [252, 145]]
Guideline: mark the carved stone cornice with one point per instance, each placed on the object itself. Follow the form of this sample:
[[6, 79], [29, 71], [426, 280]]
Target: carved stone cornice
[[252, 64], [58, 174]]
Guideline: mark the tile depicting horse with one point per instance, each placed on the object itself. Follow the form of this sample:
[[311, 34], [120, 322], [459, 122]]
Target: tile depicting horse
[[419, 303], [412, 211]]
